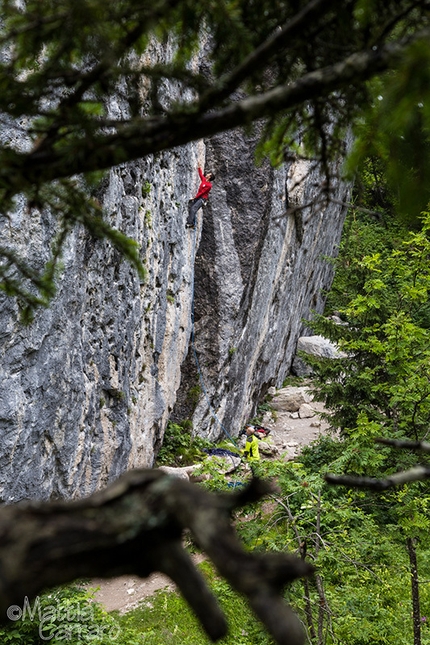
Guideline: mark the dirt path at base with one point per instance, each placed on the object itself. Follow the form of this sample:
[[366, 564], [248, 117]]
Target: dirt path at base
[[127, 592], [289, 434]]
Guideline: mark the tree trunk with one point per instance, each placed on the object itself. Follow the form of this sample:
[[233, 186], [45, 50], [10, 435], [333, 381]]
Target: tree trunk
[[323, 608], [302, 551], [416, 614]]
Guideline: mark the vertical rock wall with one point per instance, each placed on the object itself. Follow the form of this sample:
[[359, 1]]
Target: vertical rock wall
[[261, 268], [87, 389]]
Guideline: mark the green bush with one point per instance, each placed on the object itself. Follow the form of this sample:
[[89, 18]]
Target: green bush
[[63, 615], [180, 447]]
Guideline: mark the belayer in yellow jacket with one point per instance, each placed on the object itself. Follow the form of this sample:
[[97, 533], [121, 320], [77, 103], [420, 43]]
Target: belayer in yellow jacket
[[251, 451]]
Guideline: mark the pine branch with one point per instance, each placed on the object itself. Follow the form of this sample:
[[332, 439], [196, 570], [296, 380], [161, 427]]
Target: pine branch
[[258, 58], [142, 136]]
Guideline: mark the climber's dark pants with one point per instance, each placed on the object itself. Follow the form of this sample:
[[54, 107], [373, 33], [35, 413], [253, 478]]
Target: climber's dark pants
[[193, 207]]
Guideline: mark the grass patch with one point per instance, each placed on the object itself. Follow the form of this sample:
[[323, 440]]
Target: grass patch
[[166, 619]]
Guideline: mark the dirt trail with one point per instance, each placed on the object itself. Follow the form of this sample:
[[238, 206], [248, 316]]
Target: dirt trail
[[126, 592], [287, 434]]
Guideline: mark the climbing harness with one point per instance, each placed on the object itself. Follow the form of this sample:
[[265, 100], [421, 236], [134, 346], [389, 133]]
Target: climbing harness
[[212, 411]]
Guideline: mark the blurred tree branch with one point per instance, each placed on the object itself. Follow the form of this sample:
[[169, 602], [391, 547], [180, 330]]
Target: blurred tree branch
[[418, 473], [135, 526]]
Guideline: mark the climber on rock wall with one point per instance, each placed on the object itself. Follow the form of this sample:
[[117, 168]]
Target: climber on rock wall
[[201, 197]]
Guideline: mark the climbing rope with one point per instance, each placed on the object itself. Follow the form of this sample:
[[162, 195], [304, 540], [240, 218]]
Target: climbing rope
[[212, 411]]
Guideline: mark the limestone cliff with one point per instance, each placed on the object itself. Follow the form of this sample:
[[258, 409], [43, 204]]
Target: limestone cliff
[[260, 270], [87, 389]]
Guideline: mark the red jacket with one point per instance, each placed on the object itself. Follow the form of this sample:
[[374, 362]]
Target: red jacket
[[204, 188]]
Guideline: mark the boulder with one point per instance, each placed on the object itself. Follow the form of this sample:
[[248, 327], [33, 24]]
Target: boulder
[[315, 346], [180, 473], [268, 449], [289, 399], [306, 412]]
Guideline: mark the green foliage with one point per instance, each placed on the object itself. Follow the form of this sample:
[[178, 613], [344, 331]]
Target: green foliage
[[218, 482], [356, 539], [148, 219], [262, 409], [194, 394], [167, 619], [396, 130], [180, 447], [146, 189], [294, 381], [383, 383], [63, 63], [64, 615], [363, 235]]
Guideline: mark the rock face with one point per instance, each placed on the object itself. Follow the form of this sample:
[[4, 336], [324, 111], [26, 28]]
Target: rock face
[[87, 389], [291, 399], [260, 270]]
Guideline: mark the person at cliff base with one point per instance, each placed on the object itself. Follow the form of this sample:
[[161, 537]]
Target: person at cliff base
[[201, 198], [251, 451]]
